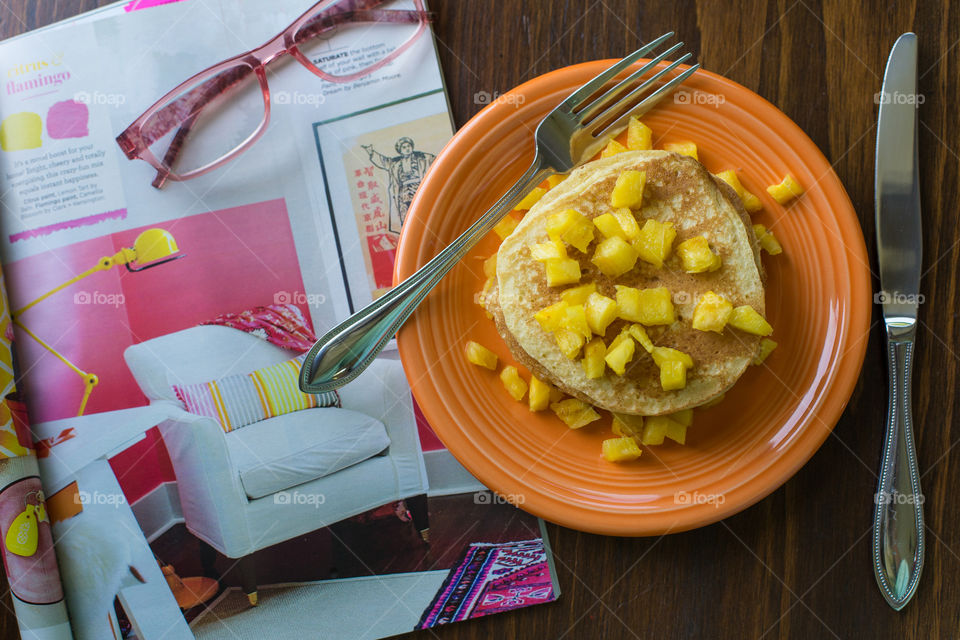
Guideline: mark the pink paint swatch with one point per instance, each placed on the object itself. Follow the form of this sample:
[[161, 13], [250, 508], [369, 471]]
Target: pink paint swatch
[[68, 119], [118, 214], [146, 4]]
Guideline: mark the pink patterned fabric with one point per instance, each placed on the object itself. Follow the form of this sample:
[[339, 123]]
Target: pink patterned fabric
[[279, 324]]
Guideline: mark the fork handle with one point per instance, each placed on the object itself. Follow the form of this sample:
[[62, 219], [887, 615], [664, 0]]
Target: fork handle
[[898, 530], [342, 353]]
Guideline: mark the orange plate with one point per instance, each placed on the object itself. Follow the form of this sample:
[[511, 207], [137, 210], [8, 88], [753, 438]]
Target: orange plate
[[770, 423]]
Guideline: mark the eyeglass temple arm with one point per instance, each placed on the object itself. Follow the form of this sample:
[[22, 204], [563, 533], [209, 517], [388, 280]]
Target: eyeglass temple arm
[[173, 151]]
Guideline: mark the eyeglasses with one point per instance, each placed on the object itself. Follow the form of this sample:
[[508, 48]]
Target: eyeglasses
[[217, 114]]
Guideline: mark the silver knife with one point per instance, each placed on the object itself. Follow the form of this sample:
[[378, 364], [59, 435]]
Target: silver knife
[[898, 530]]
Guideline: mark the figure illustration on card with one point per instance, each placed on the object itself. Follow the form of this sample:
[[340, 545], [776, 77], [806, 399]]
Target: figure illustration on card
[[406, 171]]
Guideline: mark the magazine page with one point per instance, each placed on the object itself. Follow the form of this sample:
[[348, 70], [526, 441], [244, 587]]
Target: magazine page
[[159, 331]]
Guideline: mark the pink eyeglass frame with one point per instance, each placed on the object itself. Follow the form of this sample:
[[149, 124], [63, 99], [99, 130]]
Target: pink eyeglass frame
[[135, 142]]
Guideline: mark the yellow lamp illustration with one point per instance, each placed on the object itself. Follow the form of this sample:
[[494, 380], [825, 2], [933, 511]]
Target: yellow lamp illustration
[[151, 248]]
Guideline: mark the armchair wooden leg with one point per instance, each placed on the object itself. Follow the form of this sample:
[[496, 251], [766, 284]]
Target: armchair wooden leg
[[208, 559], [420, 515], [248, 577]]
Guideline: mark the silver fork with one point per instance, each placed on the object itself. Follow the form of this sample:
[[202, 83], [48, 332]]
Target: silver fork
[[570, 134]]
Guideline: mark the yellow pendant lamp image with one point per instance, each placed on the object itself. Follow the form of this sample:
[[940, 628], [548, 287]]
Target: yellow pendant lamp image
[[24, 532], [151, 248]]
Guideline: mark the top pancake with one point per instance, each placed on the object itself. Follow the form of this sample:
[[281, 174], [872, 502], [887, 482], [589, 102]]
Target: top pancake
[[678, 190]]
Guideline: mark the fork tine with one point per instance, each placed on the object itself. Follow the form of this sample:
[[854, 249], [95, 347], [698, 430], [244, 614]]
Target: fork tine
[[647, 103], [577, 97], [601, 102]]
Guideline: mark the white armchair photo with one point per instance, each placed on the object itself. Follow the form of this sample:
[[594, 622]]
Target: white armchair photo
[[280, 478]]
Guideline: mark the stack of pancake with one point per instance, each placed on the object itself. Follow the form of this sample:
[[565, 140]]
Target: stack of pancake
[[679, 191]]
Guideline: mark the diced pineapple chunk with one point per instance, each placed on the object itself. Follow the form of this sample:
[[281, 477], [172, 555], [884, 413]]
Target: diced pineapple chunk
[[684, 417], [628, 190], [578, 295], [673, 375], [646, 306], [575, 320], [562, 271], [697, 257], [712, 312], [490, 266], [569, 342], [656, 428], [551, 250], [685, 148], [787, 190], [609, 226], [506, 226], [628, 222], [766, 348], [655, 241], [613, 148], [601, 311], [620, 449], [614, 257], [539, 398], [768, 241], [593, 355], [626, 424], [751, 202], [513, 383], [747, 319], [530, 199], [480, 355], [663, 354], [619, 356], [639, 334], [555, 179], [575, 413], [551, 317], [555, 395], [639, 135], [572, 227]]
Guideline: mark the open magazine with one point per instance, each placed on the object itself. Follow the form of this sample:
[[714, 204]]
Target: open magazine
[[162, 477]]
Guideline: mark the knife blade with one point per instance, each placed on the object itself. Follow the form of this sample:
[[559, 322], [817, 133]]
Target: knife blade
[[898, 529]]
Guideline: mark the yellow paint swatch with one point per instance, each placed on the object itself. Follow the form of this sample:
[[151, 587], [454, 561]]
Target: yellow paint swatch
[[21, 131]]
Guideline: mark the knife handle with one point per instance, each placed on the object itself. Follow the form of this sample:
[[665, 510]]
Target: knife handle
[[898, 530]]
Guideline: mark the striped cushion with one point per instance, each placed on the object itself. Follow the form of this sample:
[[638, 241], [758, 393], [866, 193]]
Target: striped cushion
[[236, 401]]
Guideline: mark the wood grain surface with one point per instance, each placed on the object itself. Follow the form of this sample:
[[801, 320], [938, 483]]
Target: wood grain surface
[[797, 564]]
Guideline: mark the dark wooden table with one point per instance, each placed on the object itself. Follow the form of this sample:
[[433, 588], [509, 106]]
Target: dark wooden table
[[797, 564]]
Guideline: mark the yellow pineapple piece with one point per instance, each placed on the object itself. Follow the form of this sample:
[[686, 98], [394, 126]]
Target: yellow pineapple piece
[[787, 190], [628, 190], [639, 334], [619, 356], [555, 395], [766, 348], [578, 295], [731, 178], [663, 354], [609, 226], [647, 306], [712, 312], [481, 356], [572, 227], [620, 449], [490, 266], [551, 317], [506, 226], [673, 375], [575, 320], [539, 398], [684, 417], [747, 319], [551, 250], [513, 383], [575, 413], [685, 148], [569, 342], [639, 135], [614, 257], [555, 179], [626, 424], [628, 223], [697, 257], [593, 358], [656, 428], [601, 311], [613, 148], [530, 199], [562, 271], [655, 241], [751, 202], [768, 241]]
